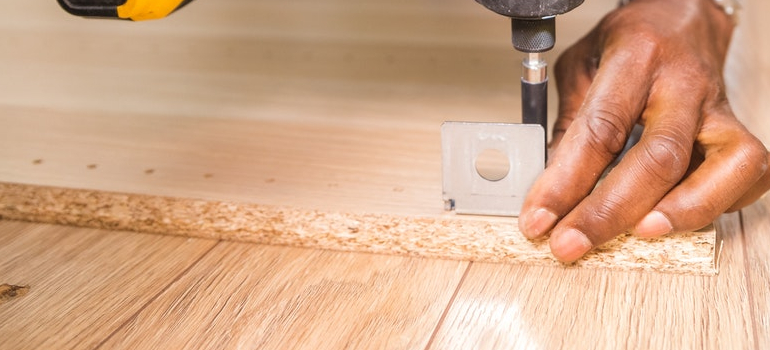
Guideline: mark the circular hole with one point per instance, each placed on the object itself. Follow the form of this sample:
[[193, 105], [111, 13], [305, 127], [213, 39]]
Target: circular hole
[[492, 164]]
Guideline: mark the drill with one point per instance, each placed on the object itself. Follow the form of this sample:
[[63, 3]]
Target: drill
[[533, 32], [136, 10]]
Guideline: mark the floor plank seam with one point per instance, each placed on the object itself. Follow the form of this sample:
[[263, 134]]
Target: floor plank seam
[[155, 297], [448, 307], [749, 285]]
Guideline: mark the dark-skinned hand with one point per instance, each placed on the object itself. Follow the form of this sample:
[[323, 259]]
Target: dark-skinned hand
[[656, 63]]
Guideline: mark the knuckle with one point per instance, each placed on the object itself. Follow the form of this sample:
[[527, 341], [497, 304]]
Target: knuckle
[[647, 42], [614, 208], [764, 163], [665, 158], [642, 42], [606, 129], [752, 157], [607, 216]]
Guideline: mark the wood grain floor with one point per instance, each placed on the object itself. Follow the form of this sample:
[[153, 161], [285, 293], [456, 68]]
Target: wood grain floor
[[83, 284], [407, 69], [106, 290]]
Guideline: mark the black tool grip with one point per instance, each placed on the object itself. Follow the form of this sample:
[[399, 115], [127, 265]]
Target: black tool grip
[[534, 104], [92, 8], [100, 8]]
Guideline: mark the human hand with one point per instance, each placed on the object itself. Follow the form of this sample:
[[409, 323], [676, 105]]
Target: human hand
[[657, 63]]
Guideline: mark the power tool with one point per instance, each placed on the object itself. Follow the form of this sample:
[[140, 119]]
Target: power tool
[[533, 32], [135, 10]]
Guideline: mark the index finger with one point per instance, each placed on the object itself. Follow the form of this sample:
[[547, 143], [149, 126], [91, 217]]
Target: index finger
[[596, 136]]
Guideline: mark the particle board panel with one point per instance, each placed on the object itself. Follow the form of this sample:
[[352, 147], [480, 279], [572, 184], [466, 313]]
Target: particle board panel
[[756, 221], [516, 307], [262, 297], [448, 237], [82, 284]]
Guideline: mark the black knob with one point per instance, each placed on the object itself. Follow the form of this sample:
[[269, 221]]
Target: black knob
[[537, 35]]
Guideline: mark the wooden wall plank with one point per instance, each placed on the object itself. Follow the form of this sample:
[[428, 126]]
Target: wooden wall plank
[[513, 307], [747, 70], [259, 297], [83, 284]]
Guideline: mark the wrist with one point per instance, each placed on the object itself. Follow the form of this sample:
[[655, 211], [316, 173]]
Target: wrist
[[728, 7]]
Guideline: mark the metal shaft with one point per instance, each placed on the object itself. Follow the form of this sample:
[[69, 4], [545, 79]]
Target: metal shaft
[[534, 91]]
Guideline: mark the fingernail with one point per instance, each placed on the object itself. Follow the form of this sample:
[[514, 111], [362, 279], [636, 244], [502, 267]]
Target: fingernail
[[653, 225], [569, 245], [537, 223]]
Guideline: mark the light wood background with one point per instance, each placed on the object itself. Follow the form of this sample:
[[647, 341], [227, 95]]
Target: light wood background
[[335, 107], [381, 74]]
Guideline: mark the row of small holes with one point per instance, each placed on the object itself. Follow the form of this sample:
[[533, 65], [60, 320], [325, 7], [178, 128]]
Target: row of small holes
[[206, 175], [94, 166]]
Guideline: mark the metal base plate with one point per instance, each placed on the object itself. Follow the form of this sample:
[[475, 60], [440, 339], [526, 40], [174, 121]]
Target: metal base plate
[[466, 190]]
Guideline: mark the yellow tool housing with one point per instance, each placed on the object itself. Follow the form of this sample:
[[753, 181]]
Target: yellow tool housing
[[135, 10]]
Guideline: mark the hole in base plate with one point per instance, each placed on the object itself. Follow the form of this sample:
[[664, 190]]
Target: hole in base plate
[[492, 164]]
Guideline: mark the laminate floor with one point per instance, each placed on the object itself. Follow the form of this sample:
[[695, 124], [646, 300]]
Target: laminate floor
[[89, 289], [381, 74]]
